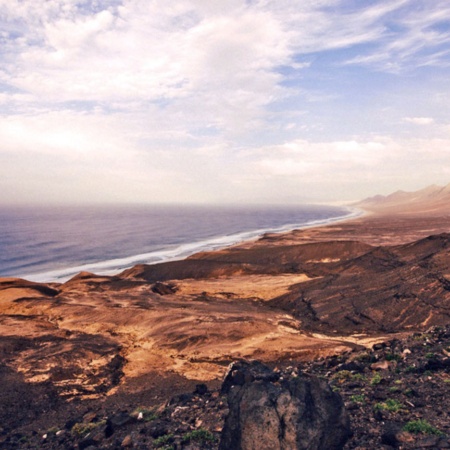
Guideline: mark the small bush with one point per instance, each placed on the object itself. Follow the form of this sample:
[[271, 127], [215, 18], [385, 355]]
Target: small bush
[[358, 398], [389, 405], [201, 435], [162, 441], [394, 389], [393, 357], [342, 375], [358, 377], [421, 426], [376, 379], [82, 428]]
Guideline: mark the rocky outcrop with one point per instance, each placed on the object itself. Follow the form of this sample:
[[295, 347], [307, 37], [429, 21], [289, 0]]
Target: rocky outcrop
[[302, 413]]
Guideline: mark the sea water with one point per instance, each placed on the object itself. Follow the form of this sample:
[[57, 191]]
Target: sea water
[[54, 243]]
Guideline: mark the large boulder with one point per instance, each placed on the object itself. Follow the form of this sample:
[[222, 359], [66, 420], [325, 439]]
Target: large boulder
[[301, 413]]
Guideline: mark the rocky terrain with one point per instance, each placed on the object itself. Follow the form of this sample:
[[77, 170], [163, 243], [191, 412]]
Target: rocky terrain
[[138, 359], [396, 395]]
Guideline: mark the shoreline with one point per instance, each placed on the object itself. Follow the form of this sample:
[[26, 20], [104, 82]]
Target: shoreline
[[181, 252]]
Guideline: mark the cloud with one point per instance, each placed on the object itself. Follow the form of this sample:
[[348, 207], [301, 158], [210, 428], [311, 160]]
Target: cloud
[[419, 120], [201, 97], [412, 37]]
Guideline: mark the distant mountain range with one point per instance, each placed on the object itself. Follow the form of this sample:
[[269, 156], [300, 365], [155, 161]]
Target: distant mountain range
[[433, 200]]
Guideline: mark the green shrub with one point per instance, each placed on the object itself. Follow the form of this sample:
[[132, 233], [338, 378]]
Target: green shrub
[[376, 379], [162, 441], [83, 428], [358, 398], [389, 405], [201, 435], [342, 375], [421, 426]]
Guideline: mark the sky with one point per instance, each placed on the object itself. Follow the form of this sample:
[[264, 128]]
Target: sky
[[209, 101]]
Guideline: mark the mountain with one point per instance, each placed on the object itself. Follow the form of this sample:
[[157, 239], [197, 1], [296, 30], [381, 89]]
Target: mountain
[[433, 200]]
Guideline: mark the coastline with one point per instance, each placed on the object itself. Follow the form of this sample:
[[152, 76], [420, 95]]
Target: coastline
[[311, 297], [185, 250]]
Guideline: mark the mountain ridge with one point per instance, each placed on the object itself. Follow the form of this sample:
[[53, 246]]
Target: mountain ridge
[[432, 199]]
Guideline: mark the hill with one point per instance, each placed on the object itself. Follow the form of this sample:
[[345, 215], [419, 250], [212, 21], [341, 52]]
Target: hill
[[432, 200]]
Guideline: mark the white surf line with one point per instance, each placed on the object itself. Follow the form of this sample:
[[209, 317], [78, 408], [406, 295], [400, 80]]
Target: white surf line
[[180, 252]]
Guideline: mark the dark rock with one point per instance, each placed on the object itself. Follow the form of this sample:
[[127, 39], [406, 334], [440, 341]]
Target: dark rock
[[352, 366], [303, 413], [379, 394], [158, 428], [181, 399], [394, 435], [86, 442], [201, 389], [70, 423], [109, 429], [242, 372], [120, 420], [435, 364], [163, 289], [428, 442], [379, 346]]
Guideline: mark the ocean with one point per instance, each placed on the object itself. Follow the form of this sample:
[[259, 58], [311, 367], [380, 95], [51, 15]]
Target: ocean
[[52, 244]]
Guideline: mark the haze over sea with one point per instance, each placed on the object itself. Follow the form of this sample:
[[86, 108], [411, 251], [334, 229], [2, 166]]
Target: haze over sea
[[55, 243]]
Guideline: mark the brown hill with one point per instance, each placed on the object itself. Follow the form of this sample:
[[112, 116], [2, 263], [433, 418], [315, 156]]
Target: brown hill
[[386, 289], [432, 200]]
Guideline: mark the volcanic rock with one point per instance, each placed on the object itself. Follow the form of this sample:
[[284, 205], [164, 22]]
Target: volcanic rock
[[300, 414]]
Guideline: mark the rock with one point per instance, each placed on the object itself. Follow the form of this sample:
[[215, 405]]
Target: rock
[[120, 419], [242, 372], [157, 428], [90, 417], [428, 442], [379, 346], [163, 289], [394, 435], [201, 389], [86, 442], [303, 413], [127, 442], [351, 366], [381, 365]]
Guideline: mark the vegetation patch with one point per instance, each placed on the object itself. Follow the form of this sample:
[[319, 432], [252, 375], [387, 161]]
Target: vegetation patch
[[389, 405], [376, 379], [358, 398], [421, 426], [163, 441], [201, 436]]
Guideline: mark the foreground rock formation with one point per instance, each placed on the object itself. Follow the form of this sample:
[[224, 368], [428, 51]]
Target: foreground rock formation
[[300, 414], [396, 397]]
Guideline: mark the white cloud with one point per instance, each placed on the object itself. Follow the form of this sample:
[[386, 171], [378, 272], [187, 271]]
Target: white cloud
[[419, 120], [183, 93]]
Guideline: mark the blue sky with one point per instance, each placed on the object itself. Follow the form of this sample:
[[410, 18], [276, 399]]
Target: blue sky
[[239, 101]]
